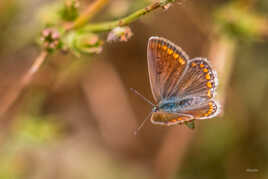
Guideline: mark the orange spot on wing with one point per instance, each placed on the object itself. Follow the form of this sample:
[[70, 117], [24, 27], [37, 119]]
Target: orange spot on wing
[[170, 51], [208, 76], [164, 47], [175, 55], [193, 64], [209, 111], [202, 65], [209, 94], [205, 70], [209, 84], [181, 61]]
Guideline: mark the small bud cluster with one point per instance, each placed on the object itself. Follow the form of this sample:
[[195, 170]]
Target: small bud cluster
[[87, 43], [91, 44], [50, 39]]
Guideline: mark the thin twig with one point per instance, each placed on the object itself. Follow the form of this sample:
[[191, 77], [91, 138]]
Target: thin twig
[[8, 100], [106, 26], [88, 14], [34, 68]]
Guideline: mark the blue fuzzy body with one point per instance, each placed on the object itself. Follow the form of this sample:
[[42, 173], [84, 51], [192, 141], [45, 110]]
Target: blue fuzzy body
[[175, 104]]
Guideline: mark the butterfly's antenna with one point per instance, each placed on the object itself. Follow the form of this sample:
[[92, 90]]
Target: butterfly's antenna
[[140, 95], [142, 124]]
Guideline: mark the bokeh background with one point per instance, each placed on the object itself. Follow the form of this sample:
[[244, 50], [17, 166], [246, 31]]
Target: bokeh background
[[76, 118]]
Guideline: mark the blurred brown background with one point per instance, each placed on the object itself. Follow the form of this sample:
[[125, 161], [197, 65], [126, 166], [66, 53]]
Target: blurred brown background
[[76, 118]]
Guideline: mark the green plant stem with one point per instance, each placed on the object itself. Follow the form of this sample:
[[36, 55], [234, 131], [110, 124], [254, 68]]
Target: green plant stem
[[89, 13], [106, 26]]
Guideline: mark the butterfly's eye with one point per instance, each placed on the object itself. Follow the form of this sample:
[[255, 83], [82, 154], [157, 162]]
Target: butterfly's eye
[[155, 108]]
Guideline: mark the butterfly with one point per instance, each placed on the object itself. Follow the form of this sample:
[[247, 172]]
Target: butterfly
[[183, 88]]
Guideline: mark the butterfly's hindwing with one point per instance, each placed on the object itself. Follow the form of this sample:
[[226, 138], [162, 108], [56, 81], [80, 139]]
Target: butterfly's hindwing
[[166, 118], [204, 110]]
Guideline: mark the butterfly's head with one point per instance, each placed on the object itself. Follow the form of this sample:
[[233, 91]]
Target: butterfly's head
[[155, 109]]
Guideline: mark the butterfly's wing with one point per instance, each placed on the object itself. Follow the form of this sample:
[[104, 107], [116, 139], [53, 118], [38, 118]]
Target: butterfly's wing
[[198, 85], [166, 118], [202, 109], [199, 80], [197, 109], [166, 64]]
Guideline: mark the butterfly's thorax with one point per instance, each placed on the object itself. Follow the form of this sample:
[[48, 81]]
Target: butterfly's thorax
[[175, 104]]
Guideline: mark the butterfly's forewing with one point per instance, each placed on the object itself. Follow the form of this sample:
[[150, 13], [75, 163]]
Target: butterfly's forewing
[[198, 80], [166, 118], [166, 63]]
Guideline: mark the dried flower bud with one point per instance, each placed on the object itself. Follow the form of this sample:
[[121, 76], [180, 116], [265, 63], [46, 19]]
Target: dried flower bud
[[50, 39], [120, 34], [167, 6]]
